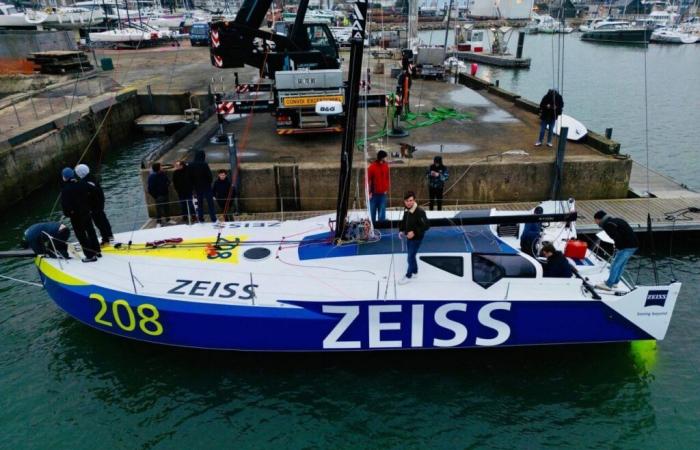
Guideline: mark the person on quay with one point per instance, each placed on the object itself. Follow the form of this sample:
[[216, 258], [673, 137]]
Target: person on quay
[[75, 201], [182, 183], [47, 238], [557, 265], [97, 205], [201, 177], [626, 245], [437, 176], [378, 186], [531, 234], [224, 193], [551, 107], [159, 189], [413, 227]]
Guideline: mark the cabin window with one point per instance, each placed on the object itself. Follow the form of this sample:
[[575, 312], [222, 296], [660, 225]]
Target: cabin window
[[488, 269], [450, 264]]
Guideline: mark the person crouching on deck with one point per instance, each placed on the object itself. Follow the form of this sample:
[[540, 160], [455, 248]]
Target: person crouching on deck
[[413, 226], [557, 265]]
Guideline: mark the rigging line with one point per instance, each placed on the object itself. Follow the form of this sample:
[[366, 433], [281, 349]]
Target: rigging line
[[30, 283], [104, 119]]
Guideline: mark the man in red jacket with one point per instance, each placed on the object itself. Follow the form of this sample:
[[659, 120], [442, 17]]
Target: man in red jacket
[[378, 182]]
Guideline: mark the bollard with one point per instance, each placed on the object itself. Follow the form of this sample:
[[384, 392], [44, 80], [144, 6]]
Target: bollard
[[474, 69], [150, 98], [608, 133], [498, 83], [31, 100], [19, 123], [521, 41]]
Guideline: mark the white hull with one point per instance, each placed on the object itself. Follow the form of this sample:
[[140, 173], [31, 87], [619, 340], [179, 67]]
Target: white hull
[[673, 37]]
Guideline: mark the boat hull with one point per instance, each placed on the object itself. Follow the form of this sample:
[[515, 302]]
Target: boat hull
[[622, 36], [316, 326]]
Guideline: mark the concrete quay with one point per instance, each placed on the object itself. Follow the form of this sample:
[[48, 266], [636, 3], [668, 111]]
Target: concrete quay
[[490, 155]]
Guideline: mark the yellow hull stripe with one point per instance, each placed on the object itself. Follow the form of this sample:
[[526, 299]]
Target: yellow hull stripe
[[56, 274]]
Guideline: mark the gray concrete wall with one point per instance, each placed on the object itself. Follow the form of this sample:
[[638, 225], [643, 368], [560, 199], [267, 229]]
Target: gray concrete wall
[[19, 44], [479, 183], [28, 165]]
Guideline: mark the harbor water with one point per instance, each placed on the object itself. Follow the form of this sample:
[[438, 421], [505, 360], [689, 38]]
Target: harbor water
[[65, 385]]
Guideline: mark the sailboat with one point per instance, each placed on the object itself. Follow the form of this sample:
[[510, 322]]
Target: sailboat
[[329, 283]]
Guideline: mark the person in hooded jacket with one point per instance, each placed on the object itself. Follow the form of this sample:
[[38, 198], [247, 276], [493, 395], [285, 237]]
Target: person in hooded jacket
[[97, 203], [551, 107], [75, 201], [437, 176], [183, 186], [201, 177], [626, 245]]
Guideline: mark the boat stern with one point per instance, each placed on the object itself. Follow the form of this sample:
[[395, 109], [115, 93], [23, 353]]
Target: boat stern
[[648, 307]]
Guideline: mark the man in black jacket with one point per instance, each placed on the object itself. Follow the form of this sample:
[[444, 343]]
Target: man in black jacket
[[201, 177], [626, 245], [75, 200], [557, 265], [158, 188], [97, 202], [224, 192], [551, 107], [413, 226], [183, 186]]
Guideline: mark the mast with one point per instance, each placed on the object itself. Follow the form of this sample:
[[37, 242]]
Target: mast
[[357, 43]]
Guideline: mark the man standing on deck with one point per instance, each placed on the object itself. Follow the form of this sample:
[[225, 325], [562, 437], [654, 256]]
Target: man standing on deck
[[75, 200], [158, 188], [201, 177], [183, 186], [626, 245], [97, 205], [378, 184], [413, 226]]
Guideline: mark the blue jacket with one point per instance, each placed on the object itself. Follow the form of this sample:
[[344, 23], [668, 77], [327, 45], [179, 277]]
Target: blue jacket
[[36, 238], [158, 183]]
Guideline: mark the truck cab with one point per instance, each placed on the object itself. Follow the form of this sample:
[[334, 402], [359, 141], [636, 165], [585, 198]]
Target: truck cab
[[199, 34]]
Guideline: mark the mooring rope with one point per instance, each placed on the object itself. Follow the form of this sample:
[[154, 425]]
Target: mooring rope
[[31, 283]]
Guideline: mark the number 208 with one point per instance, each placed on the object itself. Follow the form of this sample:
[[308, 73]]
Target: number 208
[[147, 316]]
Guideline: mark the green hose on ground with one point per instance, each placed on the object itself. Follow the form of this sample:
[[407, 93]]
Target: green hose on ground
[[413, 120]]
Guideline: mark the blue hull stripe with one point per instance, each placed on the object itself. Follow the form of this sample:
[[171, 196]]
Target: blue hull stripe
[[234, 327]]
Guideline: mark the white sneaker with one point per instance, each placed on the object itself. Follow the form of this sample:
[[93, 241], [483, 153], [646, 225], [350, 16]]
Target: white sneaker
[[171, 222], [158, 225], [414, 276], [603, 286], [405, 280]]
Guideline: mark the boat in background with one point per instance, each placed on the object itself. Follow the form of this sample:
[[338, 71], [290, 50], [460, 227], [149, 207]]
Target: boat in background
[[11, 18], [673, 36], [618, 32], [549, 25]]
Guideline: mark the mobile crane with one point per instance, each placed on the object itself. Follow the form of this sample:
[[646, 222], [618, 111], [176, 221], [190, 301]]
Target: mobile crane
[[300, 59]]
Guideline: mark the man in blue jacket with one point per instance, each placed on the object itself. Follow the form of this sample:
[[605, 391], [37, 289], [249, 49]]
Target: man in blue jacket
[[47, 238]]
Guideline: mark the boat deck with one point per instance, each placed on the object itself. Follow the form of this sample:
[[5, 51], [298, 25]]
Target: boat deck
[[667, 214]]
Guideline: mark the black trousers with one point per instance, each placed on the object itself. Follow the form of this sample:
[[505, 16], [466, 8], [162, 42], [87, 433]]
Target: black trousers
[[102, 223], [85, 233], [222, 206], [435, 197], [162, 208]]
